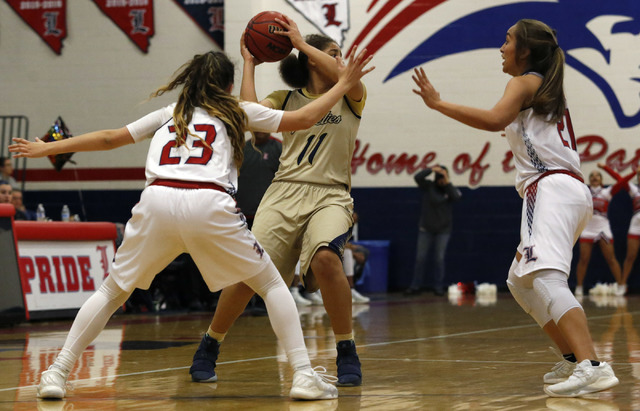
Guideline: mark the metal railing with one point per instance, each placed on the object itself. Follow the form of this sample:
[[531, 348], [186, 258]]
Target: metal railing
[[14, 126]]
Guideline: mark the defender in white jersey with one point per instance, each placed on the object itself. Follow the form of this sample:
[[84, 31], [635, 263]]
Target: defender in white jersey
[[598, 230], [557, 204], [188, 206], [306, 213], [633, 235]]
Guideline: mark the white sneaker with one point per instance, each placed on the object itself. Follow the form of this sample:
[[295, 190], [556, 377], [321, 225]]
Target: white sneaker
[[311, 385], [560, 372], [584, 380], [298, 298], [599, 289], [358, 298], [53, 384], [621, 289], [579, 292], [316, 298]]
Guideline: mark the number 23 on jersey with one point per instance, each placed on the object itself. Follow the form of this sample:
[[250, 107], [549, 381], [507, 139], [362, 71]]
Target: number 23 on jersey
[[204, 156]]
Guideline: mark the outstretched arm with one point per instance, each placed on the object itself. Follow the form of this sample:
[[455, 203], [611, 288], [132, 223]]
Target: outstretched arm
[[93, 141], [310, 114], [519, 90]]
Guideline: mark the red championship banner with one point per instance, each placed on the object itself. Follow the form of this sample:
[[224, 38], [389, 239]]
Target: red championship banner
[[133, 17], [47, 17]]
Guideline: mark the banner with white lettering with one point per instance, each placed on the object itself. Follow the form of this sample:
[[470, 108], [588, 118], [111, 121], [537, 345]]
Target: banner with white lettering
[[58, 275], [48, 18], [331, 17], [133, 17], [208, 15]]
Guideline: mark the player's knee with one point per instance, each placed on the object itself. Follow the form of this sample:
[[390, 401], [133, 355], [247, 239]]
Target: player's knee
[[522, 291], [517, 287], [552, 288], [516, 293], [112, 290], [326, 262], [266, 280]]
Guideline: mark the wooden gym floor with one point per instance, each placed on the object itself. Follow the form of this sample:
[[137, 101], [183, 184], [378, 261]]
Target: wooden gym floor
[[421, 352]]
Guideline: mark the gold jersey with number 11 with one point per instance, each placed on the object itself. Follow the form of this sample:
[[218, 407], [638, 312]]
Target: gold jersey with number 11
[[322, 153]]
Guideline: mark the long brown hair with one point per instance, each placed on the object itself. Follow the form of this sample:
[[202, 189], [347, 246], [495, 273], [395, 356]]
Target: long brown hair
[[205, 79], [546, 58]]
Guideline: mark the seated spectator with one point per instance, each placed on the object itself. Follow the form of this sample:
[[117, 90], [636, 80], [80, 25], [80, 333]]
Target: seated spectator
[[22, 213], [6, 171], [5, 192]]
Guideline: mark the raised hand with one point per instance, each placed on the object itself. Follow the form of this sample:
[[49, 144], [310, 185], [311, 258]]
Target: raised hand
[[438, 169], [291, 31], [356, 68], [428, 93], [26, 148], [244, 51], [444, 173]]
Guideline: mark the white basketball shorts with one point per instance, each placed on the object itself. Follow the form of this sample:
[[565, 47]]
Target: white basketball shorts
[[554, 212], [202, 222]]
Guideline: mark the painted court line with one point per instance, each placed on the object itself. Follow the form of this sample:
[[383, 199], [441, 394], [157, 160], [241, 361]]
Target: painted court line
[[434, 337]]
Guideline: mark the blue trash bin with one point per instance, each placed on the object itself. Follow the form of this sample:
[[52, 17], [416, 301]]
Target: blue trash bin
[[375, 276]]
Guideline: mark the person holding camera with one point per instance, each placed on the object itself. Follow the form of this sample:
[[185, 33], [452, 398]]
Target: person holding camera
[[434, 230]]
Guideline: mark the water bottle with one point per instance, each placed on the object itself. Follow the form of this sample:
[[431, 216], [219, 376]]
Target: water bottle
[[66, 214], [40, 214]]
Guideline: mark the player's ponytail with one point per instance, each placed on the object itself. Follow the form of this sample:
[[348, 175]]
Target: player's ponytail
[[205, 80], [294, 70], [546, 58]]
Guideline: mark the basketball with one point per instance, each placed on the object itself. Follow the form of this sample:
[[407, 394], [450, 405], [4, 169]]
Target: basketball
[[262, 40]]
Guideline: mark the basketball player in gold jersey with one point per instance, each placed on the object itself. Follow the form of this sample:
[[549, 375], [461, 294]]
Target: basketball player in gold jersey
[[306, 213]]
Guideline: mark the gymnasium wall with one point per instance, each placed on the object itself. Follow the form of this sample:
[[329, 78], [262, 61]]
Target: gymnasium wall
[[102, 80], [485, 231]]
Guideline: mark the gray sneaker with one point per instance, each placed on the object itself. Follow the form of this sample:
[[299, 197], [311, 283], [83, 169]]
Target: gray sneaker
[[310, 384], [560, 372], [53, 384], [357, 298], [585, 379], [315, 298], [298, 298]]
